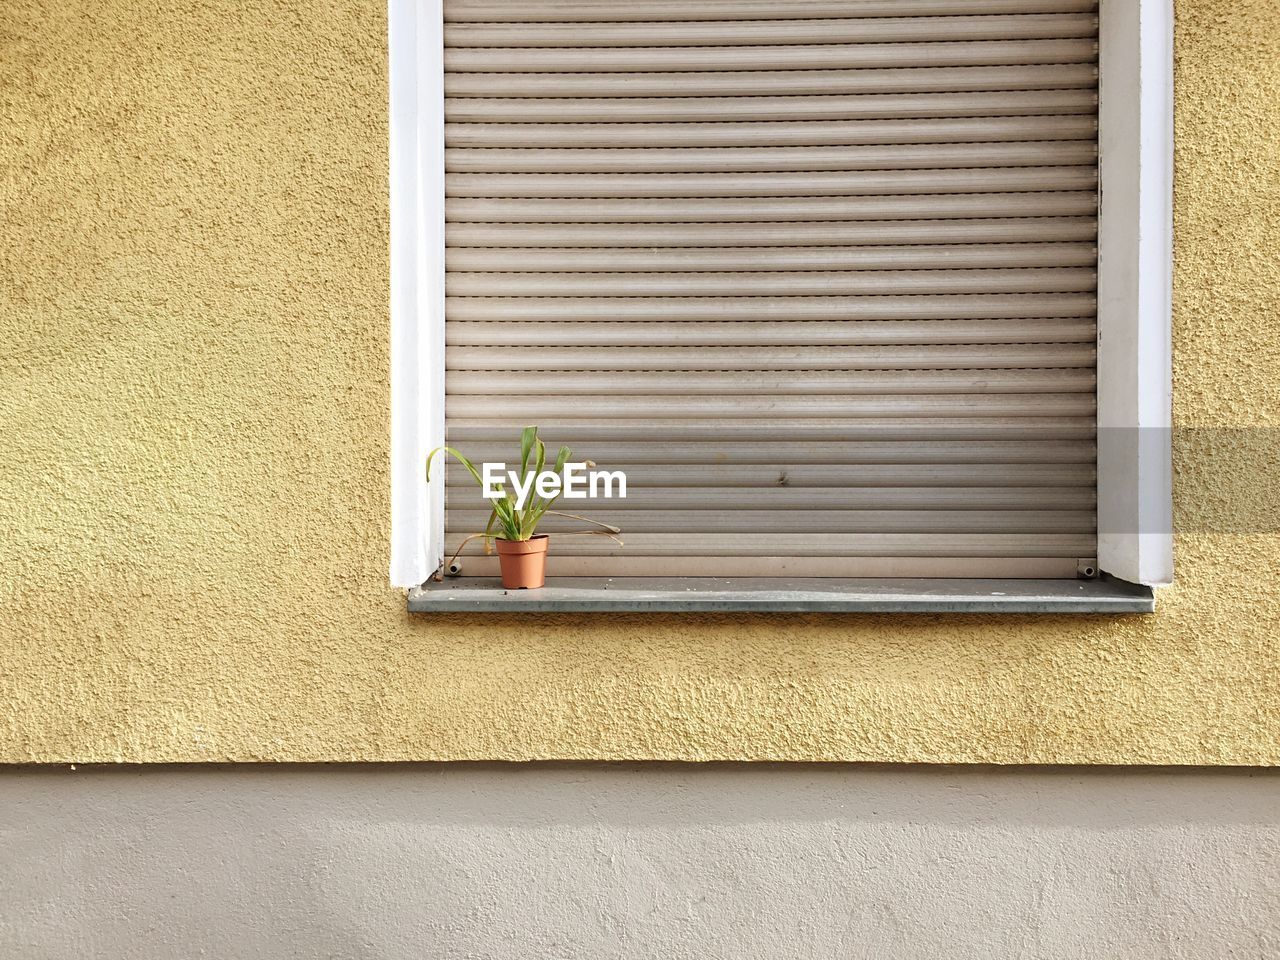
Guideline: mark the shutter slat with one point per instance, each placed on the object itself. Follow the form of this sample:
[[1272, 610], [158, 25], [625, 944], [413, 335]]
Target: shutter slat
[[610, 454], [919, 307], [790, 333], [579, 11], [946, 357], [848, 383], [729, 83], [708, 33], [539, 409], [836, 499], [746, 185], [707, 160], [645, 59], [766, 133], [771, 259], [820, 277], [644, 475], [817, 430], [820, 521], [993, 103], [800, 234], [771, 209], [828, 283], [822, 545], [627, 564]]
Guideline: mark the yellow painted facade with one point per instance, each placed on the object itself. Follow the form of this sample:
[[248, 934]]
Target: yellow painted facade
[[193, 461]]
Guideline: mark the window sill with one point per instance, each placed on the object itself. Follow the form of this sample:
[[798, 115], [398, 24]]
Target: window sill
[[775, 595]]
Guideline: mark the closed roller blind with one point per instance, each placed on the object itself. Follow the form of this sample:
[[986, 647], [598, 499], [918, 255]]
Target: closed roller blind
[[819, 276]]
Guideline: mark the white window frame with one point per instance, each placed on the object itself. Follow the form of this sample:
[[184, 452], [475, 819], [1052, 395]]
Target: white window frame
[[1135, 267]]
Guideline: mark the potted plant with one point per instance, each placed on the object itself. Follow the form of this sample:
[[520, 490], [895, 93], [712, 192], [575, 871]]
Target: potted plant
[[513, 523]]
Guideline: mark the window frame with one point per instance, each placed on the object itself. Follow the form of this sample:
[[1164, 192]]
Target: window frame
[[1135, 260]]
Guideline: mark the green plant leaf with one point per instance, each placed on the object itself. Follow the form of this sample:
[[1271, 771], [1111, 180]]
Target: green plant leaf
[[605, 527], [508, 517], [488, 531], [528, 437], [541, 506], [457, 456]]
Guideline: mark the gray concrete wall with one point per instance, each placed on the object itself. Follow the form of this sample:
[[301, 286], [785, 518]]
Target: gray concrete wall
[[638, 861]]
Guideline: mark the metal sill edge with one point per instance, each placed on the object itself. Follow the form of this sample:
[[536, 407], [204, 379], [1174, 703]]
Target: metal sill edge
[[780, 595]]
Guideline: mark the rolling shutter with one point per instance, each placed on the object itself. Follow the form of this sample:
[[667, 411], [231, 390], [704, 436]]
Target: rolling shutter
[[818, 275]]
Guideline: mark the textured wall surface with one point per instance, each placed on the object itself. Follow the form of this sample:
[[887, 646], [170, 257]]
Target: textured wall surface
[[193, 476], [654, 862]]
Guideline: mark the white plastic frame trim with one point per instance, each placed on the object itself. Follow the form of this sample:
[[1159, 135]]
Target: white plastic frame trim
[[1135, 291], [416, 49], [1134, 280]]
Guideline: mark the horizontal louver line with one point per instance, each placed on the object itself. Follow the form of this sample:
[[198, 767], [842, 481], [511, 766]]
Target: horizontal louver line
[[769, 185], [642, 476], [765, 58], [832, 499], [831, 107], [847, 383], [946, 357], [611, 454], [824, 545], [771, 209], [769, 259], [798, 234], [539, 409], [927, 79], [810, 283], [768, 333], [626, 564], [816, 430], [579, 11], [768, 133], [749, 159], [794, 521], [732, 33], [918, 307]]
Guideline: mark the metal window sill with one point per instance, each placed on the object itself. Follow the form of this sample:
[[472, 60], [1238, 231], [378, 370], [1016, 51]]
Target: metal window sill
[[777, 595]]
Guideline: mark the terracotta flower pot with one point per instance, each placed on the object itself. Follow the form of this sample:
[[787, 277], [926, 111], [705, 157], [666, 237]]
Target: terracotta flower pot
[[523, 562]]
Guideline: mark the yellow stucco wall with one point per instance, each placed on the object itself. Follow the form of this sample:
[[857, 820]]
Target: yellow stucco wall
[[193, 505]]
